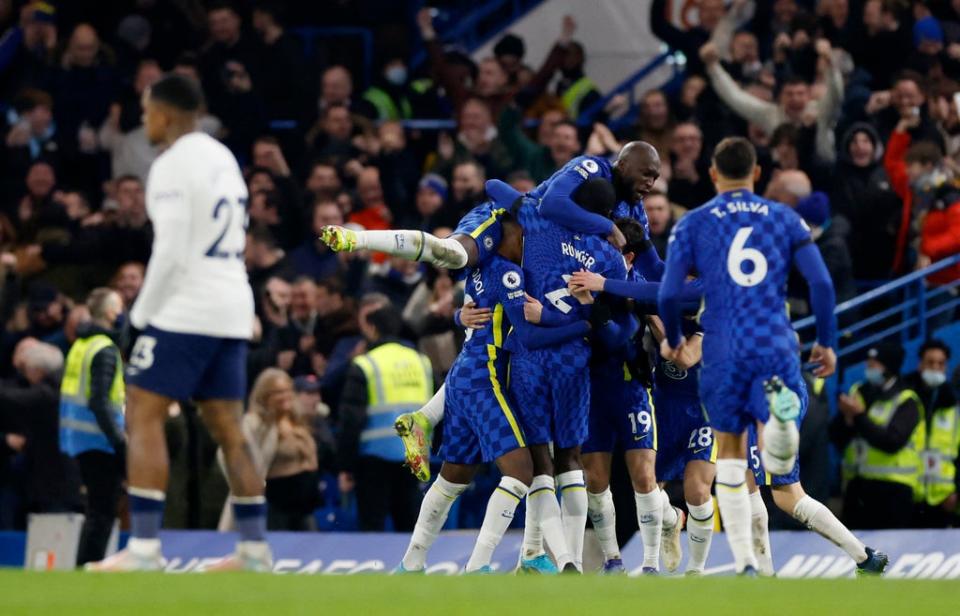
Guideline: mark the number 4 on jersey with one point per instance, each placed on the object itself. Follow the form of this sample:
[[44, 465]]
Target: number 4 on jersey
[[739, 254]]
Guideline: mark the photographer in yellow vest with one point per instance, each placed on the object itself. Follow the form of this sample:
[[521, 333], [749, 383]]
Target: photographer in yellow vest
[[880, 430], [91, 419], [938, 459]]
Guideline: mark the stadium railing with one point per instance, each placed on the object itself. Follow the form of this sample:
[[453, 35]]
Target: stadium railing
[[906, 309]]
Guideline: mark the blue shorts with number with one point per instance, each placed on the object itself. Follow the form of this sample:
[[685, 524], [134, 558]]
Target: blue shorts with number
[[552, 395], [482, 223], [762, 477], [732, 390], [684, 435], [620, 413], [480, 424], [188, 366]]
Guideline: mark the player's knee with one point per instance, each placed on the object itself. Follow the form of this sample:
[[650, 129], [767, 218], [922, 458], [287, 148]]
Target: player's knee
[[568, 460], [596, 483], [644, 483]]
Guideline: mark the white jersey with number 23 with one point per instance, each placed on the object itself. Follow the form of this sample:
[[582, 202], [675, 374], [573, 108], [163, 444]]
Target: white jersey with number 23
[[196, 281]]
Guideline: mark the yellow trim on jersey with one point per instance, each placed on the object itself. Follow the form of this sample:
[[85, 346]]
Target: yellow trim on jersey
[[713, 448], [653, 417], [498, 394], [767, 478], [498, 326], [626, 374], [486, 223]]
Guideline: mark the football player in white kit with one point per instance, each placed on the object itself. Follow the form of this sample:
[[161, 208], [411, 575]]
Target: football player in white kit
[[194, 316]]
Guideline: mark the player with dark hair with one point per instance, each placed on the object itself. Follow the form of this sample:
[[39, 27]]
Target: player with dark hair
[[742, 248], [195, 315]]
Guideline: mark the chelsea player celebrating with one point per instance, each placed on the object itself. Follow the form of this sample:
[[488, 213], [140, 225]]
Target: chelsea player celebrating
[[743, 246]]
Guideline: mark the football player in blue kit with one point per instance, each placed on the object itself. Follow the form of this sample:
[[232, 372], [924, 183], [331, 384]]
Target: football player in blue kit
[[742, 248], [789, 497], [482, 423], [685, 447]]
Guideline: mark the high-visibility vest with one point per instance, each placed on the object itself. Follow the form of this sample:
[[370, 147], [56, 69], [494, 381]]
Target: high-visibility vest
[[399, 380], [575, 94], [937, 470], [386, 107], [79, 430], [860, 459]]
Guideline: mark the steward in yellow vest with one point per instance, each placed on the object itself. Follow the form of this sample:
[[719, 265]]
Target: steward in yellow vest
[[390, 379], [576, 91], [938, 458], [880, 430]]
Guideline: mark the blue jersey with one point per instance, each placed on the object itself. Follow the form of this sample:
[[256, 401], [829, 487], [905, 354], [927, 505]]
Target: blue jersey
[[497, 285], [634, 211], [482, 223], [742, 248], [671, 383], [551, 253], [569, 177]]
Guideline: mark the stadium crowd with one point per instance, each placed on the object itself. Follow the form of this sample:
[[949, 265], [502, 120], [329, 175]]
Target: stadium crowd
[[852, 105]]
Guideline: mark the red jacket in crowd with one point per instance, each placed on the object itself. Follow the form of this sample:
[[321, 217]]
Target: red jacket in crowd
[[940, 238]]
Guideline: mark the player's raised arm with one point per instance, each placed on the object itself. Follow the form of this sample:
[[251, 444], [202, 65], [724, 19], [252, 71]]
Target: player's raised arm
[[531, 336], [559, 203]]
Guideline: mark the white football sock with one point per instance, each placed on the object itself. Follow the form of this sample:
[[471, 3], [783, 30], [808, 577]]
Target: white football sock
[[433, 513], [817, 517], [532, 533], [734, 501], [760, 533], [699, 534], [416, 246], [500, 509], [650, 517], [670, 515], [604, 518], [573, 502], [433, 409], [545, 509]]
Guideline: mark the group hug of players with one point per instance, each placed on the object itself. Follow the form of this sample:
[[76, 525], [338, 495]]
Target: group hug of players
[[581, 341]]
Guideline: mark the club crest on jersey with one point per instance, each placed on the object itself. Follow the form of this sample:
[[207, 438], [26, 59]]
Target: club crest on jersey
[[511, 280], [673, 371], [488, 243]]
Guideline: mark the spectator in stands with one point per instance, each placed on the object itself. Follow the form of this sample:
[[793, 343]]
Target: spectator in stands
[[430, 213], [788, 187], [315, 415], [227, 53], [398, 166], [336, 88], [466, 189], [32, 410], [477, 139], [879, 430], [940, 233], [509, 52], [284, 452], [562, 143], [28, 49], [390, 92], [373, 397], [863, 195], [127, 282], [878, 46], [264, 258], [323, 182], [330, 137], [691, 40], [795, 104], [313, 258], [286, 94], [941, 451], [372, 212], [122, 133], [904, 101], [32, 136], [577, 91], [661, 220], [690, 184], [654, 123], [830, 235], [301, 323], [429, 315]]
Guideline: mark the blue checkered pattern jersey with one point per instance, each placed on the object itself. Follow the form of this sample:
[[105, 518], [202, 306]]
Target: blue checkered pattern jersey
[[482, 223], [742, 248], [568, 178]]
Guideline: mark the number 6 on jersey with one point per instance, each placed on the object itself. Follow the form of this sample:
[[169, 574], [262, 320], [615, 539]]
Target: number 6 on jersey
[[739, 254]]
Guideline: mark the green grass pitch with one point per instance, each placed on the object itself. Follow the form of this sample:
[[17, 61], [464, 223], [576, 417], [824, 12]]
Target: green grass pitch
[[372, 595]]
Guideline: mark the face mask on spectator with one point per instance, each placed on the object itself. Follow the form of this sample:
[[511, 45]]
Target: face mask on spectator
[[397, 75], [874, 376], [933, 378]]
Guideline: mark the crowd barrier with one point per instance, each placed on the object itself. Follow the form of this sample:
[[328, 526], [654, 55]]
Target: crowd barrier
[[928, 554]]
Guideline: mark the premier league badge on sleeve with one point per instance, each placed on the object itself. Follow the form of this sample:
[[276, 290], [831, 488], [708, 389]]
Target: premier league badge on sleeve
[[511, 280]]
